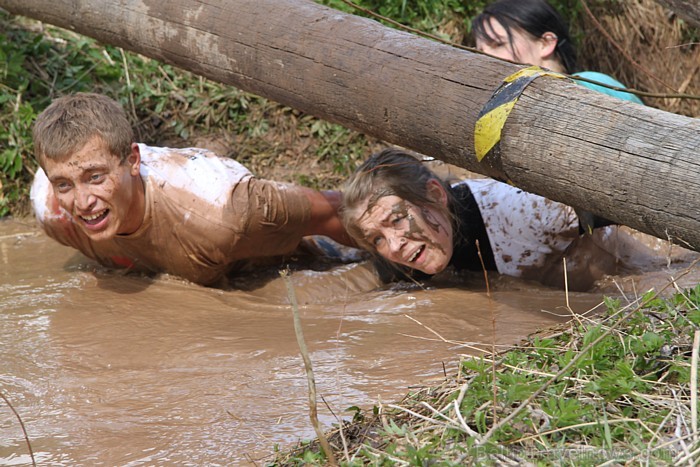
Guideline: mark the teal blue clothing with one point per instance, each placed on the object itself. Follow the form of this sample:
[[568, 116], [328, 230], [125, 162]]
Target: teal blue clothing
[[605, 79]]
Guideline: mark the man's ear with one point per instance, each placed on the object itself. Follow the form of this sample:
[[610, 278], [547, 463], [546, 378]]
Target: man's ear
[[134, 160], [436, 191]]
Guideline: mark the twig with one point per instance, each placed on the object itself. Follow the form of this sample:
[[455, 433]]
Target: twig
[[313, 410], [566, 293], [571, 427], [692, 73], [483, 268], [465, 427], [566, 287], [493, 334], [424, 418], [447, 341], [493, 362], [494, 380], [688, 458], [341, 429], [21, 424], [128, 84], [694, 386], [620, 49]]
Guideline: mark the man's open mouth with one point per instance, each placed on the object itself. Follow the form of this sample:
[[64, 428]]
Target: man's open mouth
[[95, 218]]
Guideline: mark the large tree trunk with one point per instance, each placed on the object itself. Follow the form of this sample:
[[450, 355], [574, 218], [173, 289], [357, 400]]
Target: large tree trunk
[[632, 164]]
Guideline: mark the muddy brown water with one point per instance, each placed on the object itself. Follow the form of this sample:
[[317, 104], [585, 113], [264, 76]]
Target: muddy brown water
[[112, 369]]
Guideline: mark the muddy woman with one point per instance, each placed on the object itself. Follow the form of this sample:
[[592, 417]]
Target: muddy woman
[[397, 208]]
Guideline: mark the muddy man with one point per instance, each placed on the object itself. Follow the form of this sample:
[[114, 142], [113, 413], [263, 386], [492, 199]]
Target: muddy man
[[186, 212]]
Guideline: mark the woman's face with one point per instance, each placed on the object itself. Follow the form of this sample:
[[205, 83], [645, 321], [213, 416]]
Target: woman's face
[[407, 234], [524, 48]]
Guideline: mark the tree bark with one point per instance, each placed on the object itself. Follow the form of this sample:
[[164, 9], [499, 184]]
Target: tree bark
[[689, 10], [629, 163]]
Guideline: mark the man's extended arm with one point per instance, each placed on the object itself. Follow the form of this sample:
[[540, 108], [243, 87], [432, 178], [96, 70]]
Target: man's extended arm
[[325, 219]]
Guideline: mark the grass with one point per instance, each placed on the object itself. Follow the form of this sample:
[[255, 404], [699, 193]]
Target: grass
[[166, 106], [619, 388]]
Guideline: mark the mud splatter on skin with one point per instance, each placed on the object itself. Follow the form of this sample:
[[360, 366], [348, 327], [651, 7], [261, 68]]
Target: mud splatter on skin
[[375, 197], [433, 224], [401, 210], [371, 206]]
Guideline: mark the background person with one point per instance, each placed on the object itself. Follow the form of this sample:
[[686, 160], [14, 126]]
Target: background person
[[532, 32], [185, 212]]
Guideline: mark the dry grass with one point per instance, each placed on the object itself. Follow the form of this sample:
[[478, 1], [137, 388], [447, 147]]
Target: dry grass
[[648, 48]]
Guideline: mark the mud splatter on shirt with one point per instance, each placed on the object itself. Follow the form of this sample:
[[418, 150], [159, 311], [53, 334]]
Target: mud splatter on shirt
[[524, 229]]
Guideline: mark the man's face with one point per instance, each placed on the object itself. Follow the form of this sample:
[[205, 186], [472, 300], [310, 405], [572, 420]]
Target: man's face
[[104, 196], [406, 234]]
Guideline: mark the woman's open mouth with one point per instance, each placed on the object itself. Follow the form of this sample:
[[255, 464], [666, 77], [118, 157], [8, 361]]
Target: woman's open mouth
[[417, 253]]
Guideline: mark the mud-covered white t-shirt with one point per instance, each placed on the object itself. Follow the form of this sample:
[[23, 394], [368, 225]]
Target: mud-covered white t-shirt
[[204, 214], [526, 231]]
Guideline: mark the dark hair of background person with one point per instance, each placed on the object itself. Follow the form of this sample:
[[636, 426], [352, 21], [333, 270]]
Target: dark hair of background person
[[535, 17]]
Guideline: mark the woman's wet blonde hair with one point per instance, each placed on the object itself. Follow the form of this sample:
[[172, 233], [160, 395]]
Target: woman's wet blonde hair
[[66, 125], [386, 173]]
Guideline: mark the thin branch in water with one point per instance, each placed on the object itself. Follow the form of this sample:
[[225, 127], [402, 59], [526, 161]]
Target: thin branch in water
[[483, 268], [493, 335], [468, 345], [313, 405], [21, 424], [337, 336]]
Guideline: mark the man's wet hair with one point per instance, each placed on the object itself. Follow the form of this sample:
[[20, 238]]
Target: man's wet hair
[[70, 122]]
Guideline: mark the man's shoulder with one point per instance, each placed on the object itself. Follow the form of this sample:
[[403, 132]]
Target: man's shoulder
[[196, 170], [40, 193], [191, 161], [481, 187]]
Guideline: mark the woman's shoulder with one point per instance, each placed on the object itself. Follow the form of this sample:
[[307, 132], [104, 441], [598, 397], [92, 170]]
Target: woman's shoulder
[[604, 81], [599, 77]]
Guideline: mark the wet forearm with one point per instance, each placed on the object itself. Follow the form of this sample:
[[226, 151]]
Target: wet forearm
[[325, 218]]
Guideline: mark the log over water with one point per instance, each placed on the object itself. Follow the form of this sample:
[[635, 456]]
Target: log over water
[[629, 163]]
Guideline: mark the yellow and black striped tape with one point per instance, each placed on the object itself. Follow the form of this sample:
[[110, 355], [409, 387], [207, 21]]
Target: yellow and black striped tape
[[493, 116]]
